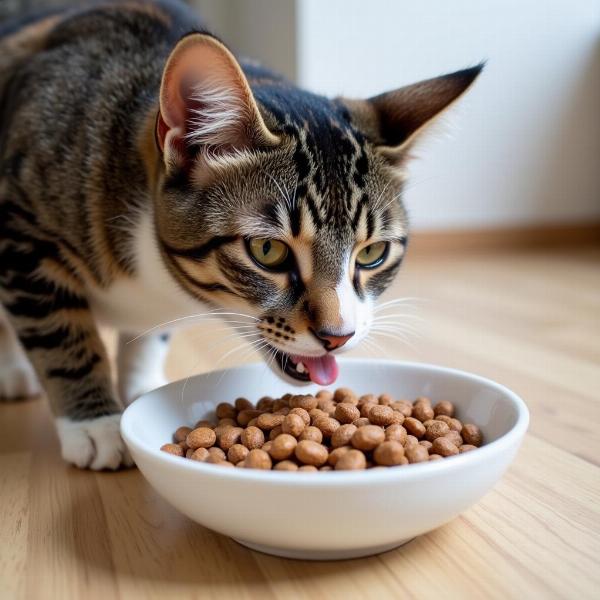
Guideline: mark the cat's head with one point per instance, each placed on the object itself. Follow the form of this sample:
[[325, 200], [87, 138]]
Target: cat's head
[[285, 205]]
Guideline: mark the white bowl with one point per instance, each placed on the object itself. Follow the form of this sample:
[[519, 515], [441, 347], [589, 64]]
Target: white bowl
[[330, 515]]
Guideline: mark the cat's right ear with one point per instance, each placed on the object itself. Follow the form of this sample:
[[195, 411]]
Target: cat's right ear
[[206, 104]]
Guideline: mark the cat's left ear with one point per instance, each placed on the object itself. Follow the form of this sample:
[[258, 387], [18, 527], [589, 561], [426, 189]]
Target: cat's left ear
[[394, 120], [206, 104]]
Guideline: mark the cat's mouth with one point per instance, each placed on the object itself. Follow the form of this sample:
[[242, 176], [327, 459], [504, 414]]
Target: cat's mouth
[[322, 370]]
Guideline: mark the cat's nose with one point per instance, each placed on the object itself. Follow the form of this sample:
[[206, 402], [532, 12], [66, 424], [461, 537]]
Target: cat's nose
[[331, 341]]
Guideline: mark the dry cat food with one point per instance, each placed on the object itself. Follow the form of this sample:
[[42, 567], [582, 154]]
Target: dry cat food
[[328, 431]]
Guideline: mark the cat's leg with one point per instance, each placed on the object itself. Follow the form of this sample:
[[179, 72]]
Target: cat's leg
[[56, 328], [17, 377], [140, 364]]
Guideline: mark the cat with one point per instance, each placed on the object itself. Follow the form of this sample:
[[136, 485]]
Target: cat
[[148, 175]]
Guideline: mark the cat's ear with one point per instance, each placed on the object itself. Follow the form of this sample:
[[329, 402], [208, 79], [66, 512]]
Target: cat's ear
[[394, 120], [206, 103]]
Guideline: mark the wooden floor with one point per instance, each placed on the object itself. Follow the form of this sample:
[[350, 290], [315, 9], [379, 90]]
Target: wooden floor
[[530, 320]]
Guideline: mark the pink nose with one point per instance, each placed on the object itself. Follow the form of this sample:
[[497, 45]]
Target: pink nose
[[331, 342]]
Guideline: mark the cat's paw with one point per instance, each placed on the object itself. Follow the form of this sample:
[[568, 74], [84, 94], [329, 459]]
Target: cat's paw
[[93, 443], [17, 381]]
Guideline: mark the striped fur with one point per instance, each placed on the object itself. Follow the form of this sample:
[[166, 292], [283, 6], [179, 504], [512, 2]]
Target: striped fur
[[129, 198]]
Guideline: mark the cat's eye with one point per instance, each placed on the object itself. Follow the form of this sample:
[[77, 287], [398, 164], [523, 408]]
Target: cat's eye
[[372, 255], [268, 253]]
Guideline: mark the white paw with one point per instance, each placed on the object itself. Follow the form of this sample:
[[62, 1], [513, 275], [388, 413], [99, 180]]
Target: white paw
[[94, 443], [18, 380]]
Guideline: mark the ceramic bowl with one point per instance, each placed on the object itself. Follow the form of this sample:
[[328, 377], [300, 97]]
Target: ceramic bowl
[[329, 515]]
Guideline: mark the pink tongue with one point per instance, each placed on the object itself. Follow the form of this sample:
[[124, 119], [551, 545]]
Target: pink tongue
[[322, 370]]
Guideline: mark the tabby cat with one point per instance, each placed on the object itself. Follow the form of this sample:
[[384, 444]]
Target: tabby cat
[[147, 174]]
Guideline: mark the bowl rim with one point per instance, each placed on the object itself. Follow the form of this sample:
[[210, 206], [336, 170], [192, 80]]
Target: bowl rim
[[404, 473]]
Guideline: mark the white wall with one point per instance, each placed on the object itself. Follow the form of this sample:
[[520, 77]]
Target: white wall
[[525, 144]]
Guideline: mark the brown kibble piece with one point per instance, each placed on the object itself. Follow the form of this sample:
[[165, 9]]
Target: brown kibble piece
[[286, 465], [294, 424], [243, 404], [275, 432], [265, 403], [217, 452], [279, 404], [381, 415], [226, 411], [444, 408], [368, 399], [422, 411], [361, 422], [269, 421], [368, 437], [388, 453], [302, 414], [411, 440], [454, 437], [324, 395], [385, 399], [236, 453], [283, 446], [342, 435], [352, 460], [366, 408], [181, 433], [396, 433], [453, 423], [230, 437], [426, 444], [336, 454], [189, 452], [414, 427], [267, 445], [311, 453], [204, 423], [200, 454], [253, 437], [307, 468], [435, 457], [201, 437], [311, 433], [416, 453], [436, 429], [305, 401], [471, 434], [327, 425], [245, 416], [422, 400], [403, 406], [174, 449], [345, 395], [444, 447], [257, 459], [467, 448], [346, 412]]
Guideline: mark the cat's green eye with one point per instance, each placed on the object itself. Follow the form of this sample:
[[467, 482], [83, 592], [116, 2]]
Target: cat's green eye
[[372, 255], [268, 252]]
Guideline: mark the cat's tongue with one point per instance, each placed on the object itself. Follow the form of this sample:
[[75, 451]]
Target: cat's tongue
[[322, 369]]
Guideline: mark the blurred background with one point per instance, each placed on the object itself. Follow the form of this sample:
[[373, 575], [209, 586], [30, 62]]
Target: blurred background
[[521, 149]]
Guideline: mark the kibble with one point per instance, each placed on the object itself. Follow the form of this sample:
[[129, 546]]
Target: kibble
[[327, 431], [311, 453], [471, 434]]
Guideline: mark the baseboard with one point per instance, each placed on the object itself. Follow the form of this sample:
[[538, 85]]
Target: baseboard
[[505, 238]]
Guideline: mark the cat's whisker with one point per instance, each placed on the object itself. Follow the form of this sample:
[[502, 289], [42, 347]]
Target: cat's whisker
[[404, 300], [396, 337], [208, 315]]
